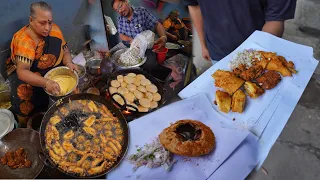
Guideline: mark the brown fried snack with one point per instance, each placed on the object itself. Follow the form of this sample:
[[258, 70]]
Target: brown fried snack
[[227, 81], [223, 100], [276, 65], [17, 159], [289, 65], [252, 89], [238, 101], [269, 80], [188, 138]]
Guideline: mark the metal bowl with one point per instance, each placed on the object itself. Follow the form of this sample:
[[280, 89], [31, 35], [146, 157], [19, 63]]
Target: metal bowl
[[28, 139], [62, 70], [82, 71], [115, 58], [93, 66]]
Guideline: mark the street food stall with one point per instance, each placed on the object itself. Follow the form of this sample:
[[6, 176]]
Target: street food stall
[[130, 114]]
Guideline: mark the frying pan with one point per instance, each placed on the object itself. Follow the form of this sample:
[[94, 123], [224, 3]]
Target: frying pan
[[29, 140], [153, 80], [85, 96]]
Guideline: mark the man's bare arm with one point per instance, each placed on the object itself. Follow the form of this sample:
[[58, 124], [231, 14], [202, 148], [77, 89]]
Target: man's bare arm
[[274, 27]]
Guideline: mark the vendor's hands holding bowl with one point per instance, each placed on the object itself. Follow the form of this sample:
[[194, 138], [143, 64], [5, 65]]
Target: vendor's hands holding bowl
[[53, 87]]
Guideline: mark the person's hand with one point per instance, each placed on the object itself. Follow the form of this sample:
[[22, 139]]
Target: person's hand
[[53, 87], [73, 67], [161, 42], [205, 54]]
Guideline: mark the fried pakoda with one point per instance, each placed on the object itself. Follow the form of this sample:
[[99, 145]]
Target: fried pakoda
[[276, 65], [289, 65], [223, 100], [227, 81], [269, 80], [90, 121], [250, 73], [252, 89], [267, 54], [238, 101]]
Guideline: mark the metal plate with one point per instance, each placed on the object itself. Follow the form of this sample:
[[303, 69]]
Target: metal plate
[[5, 124], [115, 57], [30, 141]]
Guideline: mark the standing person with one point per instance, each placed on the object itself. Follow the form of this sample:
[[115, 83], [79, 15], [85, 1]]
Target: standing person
[[222, 25], [35, 49], [134, 20]]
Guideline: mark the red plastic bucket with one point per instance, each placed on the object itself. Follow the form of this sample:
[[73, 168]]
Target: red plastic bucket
[[161, 55]]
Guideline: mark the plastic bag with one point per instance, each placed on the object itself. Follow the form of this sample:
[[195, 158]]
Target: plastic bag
[[143, 41]]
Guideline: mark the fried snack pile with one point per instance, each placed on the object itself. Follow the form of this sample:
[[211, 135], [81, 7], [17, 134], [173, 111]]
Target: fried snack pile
[[17, 159], [84, 138], [256, 71], [137, 90]]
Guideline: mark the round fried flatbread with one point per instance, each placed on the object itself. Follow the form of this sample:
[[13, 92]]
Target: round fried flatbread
[[129, 79], [112, 90], [131, 87], [142, 89], [133, 104], [122, 90], [118, 99], [152, 88], [143, 109], [138, 94], [145, 82], [120, 78], [149, 96], [137, 82], [153, 104], [123, 84], [156, 97], [129, 96], [140, 76], [144, 102], [115, 83], [132, 75]]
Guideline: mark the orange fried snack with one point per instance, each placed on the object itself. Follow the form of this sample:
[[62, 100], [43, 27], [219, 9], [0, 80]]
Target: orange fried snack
[[227, 81], [252, 89], [223, 100], [238, 101], [289, 65], [276, 65]]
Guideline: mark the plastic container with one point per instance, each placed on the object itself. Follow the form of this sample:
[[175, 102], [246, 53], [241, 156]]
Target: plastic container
[[161, 55]]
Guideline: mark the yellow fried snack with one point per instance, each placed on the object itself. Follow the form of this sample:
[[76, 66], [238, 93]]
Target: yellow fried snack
[[276, 65], [89, 130], [238, 101], [253, 90], [55, 120], [92, 106], [90, 121], [289, 65], [223, 100], [68, 135], [227, 81]]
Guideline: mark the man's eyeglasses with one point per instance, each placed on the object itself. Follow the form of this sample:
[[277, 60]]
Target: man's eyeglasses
[[120, 6]]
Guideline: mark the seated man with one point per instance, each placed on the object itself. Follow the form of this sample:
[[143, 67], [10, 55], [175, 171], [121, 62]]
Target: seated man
[[176, 29], [134, 20], [35, 49]]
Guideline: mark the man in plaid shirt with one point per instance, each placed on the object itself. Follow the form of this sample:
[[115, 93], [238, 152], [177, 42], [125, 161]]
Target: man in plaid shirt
[[134, 20]]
